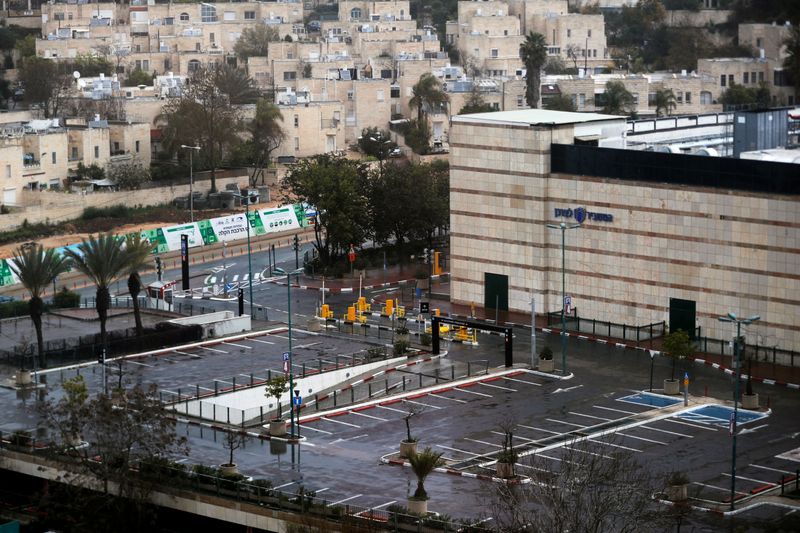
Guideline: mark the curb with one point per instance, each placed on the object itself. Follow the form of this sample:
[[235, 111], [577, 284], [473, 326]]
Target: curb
[[341, 290]]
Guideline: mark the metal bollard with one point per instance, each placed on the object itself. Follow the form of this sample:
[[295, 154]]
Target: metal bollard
[[369, 390], [404, 383], [352, 395], [334, 398]]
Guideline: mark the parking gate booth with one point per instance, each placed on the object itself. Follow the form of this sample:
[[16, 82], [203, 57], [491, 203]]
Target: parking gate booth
[[160, 295], [507, 332]]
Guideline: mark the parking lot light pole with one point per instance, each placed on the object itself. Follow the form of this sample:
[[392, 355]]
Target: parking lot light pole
[[563, 227], [246, 200], [280, 271], [192, 150], [738, 321]]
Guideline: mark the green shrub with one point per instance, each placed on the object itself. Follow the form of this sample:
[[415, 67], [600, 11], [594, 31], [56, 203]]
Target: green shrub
[[400, 348], [65, 298], [425, 339], [113, 211], [15, 308]]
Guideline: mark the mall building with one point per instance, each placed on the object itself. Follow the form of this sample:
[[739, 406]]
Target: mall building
[[660, 234]]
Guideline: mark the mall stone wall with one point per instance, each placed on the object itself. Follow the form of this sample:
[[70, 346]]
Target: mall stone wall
[[639, 244]]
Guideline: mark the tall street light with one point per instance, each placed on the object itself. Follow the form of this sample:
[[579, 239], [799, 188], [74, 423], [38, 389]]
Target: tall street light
[[246, 200], [289, 275], [738, 321], [563, 227], [192, 150]]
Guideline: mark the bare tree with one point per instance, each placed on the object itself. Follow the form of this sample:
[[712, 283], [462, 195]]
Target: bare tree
[[591, 489]]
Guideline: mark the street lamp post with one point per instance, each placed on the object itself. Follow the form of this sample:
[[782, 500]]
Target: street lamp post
[[289, 275], [563, 227], [192, 150], [249, 254], [738, 321]]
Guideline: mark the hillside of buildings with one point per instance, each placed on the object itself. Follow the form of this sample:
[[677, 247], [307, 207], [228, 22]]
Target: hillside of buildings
[[104, 97]]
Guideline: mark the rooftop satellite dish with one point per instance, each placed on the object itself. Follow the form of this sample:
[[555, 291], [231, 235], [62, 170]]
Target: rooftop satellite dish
[[81, 83], [76, 75]]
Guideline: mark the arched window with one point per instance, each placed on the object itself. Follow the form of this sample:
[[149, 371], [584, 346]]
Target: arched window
[[208, 13], [355, 13], [184, 17], [194, 65]]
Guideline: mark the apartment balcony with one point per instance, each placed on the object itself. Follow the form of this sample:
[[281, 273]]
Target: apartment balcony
[[329, 123]]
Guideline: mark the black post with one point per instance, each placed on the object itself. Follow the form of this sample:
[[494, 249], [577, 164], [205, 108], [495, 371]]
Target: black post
[[435, 335], [241, 301], [296, 252], [509, 347], [184, 261]]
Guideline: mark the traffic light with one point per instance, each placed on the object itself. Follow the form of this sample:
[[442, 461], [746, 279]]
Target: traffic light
[[159, 269], [425, 255], [740, 347], [296, 243]]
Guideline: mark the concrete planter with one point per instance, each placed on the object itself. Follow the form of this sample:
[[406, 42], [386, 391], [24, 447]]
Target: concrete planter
[[401, 337], [546, 365], [672, 386], [749, 401], [313, 325], [677, 493], [418, 506], [228, 469], [407, 449], [277, 428], [505, 470], [24, 377]]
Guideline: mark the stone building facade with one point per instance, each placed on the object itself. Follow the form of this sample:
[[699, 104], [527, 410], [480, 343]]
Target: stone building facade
[[639, 245]]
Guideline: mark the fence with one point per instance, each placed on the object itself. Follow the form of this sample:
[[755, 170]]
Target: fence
[[767, 354], [608, 329]]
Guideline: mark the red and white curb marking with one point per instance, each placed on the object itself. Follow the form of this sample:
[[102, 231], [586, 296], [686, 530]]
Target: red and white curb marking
[[519, 480], [340, 290]]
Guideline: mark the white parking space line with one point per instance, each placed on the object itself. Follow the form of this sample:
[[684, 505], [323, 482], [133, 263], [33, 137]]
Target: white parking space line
[[666, 431], [515, 436], [346, 500], [321, 490], [284, 485], [340, 422], [204, 388], [567, 423], [587, 452], [187, 354], [262, 342], [772, 469], [724, 489], [213, 349], [312, 428], [369, 416], [541, 429], [309, 345], [484, 442], [235, 277], [523, 381], [497, 387], [391, 409], [257, 275], [223, 381], [238, 345], [424, 404], [457, 450], [642, 438], [590, 416], [381, 506], [543, 456], [473, 392], [139, 363], [533, 467], [350, 438], [750, 479], [447, 398], [615, 410], [688, 424], [616, 445]]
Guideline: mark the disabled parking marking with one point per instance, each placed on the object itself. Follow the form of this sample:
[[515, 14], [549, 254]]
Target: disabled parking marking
[[497, 386], [359, 413]]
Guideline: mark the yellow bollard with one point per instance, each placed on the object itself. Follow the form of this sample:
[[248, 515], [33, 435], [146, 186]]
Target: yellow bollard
[[436, 311], [351, 314], [323, 312], [389, 307], [437, 267], [362, 304]]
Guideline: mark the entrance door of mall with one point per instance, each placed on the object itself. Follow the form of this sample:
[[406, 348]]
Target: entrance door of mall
[[495, 294], [682, 315]]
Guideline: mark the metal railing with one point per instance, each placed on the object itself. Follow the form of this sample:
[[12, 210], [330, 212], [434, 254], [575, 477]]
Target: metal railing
[[605, 328], [762, 354]]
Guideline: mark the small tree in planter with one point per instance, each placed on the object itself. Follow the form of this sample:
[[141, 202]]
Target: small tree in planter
[[408, 446], [677, 346], [677, 487], [401, 348], [401, 333], [546, 363], [275, 388], [507, 457], [232, 441], [422, 464]]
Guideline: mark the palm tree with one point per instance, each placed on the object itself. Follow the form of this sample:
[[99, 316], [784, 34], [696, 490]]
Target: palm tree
[[423, 463], [533, 53], [103, 260], [138, 250], [618, 100], [36, 269], [427, 92], [266, 134], [665, 102]]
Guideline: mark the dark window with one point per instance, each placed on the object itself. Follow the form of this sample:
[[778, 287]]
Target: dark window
[[394, 92], [289, 75], [249, 15]]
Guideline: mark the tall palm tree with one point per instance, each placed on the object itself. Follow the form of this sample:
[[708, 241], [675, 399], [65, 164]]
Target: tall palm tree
[[36, 269], [103, 260], [427, 92], [665, 102], [533, 52], [138, 250]]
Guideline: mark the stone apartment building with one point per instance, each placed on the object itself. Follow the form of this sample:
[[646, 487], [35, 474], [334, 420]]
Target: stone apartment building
[[750, 72], [42, 154]]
